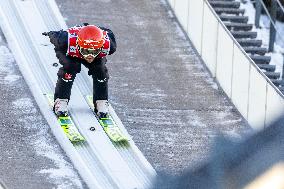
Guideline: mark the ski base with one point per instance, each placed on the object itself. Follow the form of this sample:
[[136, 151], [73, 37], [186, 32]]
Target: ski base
[[108, 124], [67, 124]]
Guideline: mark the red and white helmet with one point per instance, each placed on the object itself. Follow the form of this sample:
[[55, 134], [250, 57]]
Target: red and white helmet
[[90, 40]]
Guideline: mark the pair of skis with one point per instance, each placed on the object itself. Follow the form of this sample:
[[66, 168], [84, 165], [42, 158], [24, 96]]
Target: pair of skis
[[73, 134]]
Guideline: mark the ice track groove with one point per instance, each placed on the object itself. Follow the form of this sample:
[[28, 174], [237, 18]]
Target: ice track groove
[[101, 163]]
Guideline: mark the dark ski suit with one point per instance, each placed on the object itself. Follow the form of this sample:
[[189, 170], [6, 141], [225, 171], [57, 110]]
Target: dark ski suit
[[72, 65]]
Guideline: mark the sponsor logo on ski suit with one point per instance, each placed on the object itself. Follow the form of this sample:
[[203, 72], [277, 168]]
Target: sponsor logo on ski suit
[[72, 49]]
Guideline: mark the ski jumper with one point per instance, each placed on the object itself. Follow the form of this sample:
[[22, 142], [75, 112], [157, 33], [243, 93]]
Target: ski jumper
[[70, 58]]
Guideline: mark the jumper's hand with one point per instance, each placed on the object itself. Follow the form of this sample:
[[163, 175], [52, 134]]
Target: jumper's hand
[[50, 33], [52, 36], [45, 33]]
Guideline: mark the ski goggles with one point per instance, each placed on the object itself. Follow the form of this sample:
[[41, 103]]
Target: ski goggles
[[89, 52]]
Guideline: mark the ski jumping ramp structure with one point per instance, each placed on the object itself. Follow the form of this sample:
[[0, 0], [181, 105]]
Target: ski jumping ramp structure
[[101, 163]]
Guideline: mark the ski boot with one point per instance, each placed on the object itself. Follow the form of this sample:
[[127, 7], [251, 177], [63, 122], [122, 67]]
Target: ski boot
[[101, 108], [60, 107]]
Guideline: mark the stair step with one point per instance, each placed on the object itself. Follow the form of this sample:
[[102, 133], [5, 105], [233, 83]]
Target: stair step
[[244, 34], [238, 26], [232, 18], [229, 11], [272, 75], [260, 59], [225, 4], [267, 67], [278, 82], [250, 42], [255, 50]]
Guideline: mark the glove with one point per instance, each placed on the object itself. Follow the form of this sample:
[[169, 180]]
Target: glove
[[50, 33], [44, 33], [52, 36]]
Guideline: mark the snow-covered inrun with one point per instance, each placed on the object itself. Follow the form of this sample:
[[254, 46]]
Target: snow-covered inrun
[[63, 175], [263, 34]]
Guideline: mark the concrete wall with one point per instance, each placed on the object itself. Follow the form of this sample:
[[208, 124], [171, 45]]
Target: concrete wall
[[257, 99]]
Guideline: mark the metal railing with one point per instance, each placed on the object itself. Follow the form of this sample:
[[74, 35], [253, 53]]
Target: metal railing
[[272, 14]]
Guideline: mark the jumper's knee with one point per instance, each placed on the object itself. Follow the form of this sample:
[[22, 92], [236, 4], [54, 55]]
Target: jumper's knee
[[65, 75]]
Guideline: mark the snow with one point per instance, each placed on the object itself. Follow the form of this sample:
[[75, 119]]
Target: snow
[[63, 175], [6, 59], [263, 34], [43, 146]]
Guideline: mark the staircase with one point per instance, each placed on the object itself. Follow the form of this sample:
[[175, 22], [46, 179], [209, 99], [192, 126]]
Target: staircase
[[232, 15]]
